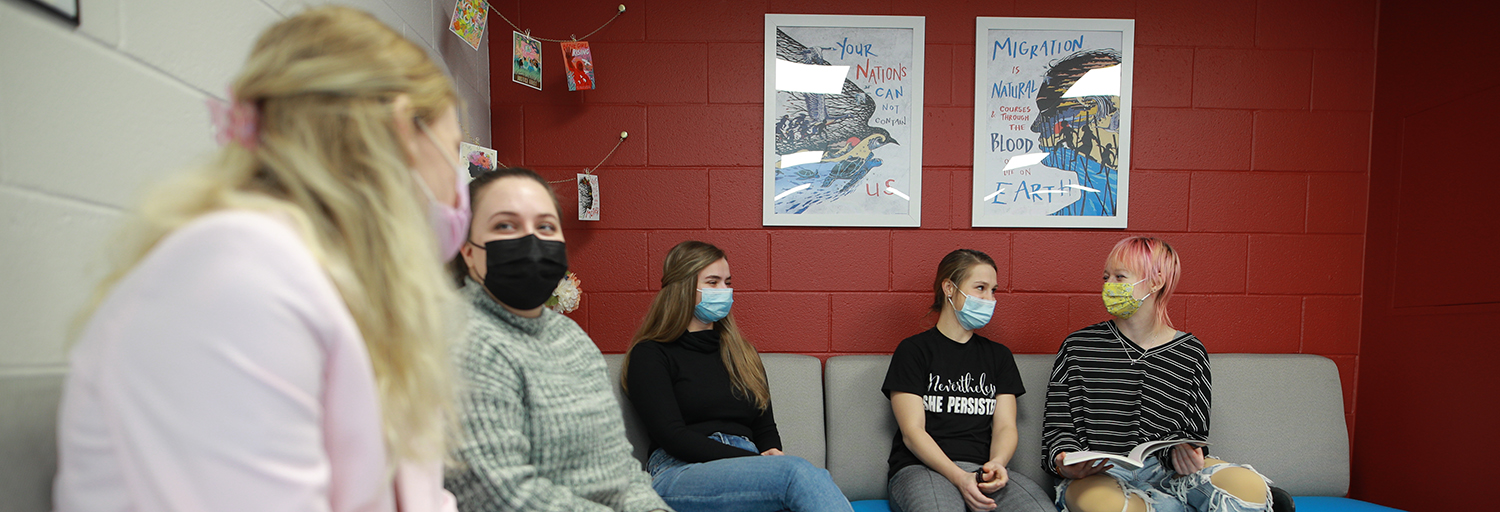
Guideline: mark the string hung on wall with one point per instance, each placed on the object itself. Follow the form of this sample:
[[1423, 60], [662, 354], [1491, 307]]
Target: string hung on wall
[[588, 185], [526, 62], [468, 21], [620, 11]]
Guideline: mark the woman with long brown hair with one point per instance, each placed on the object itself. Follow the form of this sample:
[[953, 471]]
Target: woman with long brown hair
[[701, 391]]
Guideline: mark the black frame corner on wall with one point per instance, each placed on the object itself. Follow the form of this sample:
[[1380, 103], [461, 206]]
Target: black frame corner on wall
[[67, 10]]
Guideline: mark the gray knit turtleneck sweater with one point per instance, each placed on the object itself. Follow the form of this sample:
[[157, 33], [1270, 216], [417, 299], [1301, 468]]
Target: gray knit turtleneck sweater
[[542, 430]]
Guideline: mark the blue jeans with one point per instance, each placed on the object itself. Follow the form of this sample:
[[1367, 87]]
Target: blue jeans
[[744, 484], [1164, 491]]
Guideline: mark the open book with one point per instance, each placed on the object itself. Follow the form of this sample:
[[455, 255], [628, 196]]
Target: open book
[[1133, 460]]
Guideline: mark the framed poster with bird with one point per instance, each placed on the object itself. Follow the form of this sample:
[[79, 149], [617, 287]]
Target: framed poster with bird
[[843, 120], [1052, 122]]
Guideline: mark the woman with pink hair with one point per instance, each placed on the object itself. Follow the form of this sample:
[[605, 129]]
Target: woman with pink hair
[[1136, 379]]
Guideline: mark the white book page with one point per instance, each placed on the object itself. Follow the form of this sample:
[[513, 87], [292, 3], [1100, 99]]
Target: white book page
[[1135, 459], [1076, 457]]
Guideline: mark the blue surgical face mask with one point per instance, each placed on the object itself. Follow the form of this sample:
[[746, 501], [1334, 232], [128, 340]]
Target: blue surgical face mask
[[714, 305], [975, 313]]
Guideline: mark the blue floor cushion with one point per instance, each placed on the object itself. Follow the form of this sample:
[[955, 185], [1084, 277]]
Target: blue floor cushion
[[1304, 504], [1332, 504]]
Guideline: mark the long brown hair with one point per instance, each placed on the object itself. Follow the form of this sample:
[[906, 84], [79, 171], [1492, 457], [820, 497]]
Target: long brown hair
[[672, 311]]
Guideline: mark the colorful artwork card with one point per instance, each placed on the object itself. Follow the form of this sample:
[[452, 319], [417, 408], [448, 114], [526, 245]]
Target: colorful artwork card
[[478, 159], [580, 65], [469, 18], [588, 197], [526, 68]]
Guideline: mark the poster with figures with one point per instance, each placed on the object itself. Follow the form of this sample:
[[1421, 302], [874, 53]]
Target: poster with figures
[[469, 17], [1052, 122], [527, 66], [477, 159], [579, 63], [843, 121], [588, 197]]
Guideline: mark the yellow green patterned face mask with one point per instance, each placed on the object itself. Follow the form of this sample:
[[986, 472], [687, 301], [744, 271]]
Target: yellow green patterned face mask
[[1119, 298]]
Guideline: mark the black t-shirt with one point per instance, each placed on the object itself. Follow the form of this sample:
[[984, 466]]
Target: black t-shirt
[[958, 383]]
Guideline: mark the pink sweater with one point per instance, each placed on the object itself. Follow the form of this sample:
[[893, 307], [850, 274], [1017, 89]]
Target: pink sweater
[[224, 373]]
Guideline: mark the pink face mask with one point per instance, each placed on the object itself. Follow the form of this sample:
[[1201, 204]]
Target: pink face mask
[[449, 223]]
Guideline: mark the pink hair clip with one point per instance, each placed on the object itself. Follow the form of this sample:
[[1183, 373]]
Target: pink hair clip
[[237, 122]]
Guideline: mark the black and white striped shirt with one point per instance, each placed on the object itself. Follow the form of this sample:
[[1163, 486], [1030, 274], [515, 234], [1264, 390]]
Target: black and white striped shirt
[[1106, 394]]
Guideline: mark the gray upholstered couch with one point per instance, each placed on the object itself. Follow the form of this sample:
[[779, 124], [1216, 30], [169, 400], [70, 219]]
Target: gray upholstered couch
[[28, 439], [1283, 414]]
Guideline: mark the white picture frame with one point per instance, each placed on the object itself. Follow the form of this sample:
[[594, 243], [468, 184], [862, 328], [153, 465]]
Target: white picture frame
[[1052, 117], [853, 145]]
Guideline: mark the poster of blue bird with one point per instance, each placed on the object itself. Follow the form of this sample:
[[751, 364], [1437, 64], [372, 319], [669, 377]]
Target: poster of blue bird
[[1052, 122], [843, 120]]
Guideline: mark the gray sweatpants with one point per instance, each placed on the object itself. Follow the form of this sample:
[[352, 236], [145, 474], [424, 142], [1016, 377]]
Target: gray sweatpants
[[917, 488]]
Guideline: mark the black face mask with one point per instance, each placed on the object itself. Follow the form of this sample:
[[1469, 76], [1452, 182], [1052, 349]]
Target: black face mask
[[523, 272]]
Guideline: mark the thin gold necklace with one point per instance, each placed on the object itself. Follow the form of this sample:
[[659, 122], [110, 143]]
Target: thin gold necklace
[[1126, 346]]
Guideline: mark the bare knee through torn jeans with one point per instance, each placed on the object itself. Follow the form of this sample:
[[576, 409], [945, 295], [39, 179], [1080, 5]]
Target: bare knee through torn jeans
[[1164, 491]]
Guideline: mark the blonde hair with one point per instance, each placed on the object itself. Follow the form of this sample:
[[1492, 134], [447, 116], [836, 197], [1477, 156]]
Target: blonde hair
[[672, 311], [329, 159]]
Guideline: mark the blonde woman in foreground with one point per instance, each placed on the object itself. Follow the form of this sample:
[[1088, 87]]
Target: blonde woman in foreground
[[274, 335]]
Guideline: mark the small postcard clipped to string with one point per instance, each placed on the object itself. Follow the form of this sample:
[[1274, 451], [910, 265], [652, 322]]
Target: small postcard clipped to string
[[478, 159], [527, 67], [469, 17], [588, 197], [580, 65]]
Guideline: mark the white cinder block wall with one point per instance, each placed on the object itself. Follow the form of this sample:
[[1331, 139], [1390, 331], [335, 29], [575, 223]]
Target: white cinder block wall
[[91, 116]]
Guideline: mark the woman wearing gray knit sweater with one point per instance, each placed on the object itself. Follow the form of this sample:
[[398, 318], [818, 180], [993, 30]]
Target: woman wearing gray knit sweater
[[541, 430]]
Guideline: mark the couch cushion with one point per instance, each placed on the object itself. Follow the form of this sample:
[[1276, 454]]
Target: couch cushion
[[861, 426], [28, 439], [796, 393], [1283, 414]]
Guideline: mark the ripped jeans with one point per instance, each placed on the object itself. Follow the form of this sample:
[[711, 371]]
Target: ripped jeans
[[1163, 491]]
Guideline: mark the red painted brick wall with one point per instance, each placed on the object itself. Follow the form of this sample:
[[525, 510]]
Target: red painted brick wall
[[1432, 294], [1251, 155]]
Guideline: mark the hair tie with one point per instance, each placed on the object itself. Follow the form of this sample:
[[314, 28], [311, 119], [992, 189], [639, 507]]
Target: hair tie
[[238, 122]]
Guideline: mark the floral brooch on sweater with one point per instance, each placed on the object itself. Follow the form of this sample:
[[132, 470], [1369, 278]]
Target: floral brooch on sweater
[[565, 298]]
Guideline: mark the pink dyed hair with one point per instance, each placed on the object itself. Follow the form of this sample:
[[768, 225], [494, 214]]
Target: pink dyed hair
[[1146, 256]]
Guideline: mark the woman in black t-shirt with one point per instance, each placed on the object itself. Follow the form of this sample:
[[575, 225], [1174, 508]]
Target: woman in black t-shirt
[[954, 396], [701, 391]]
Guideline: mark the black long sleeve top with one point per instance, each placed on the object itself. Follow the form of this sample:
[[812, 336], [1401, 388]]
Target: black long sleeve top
[[683, 394]]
